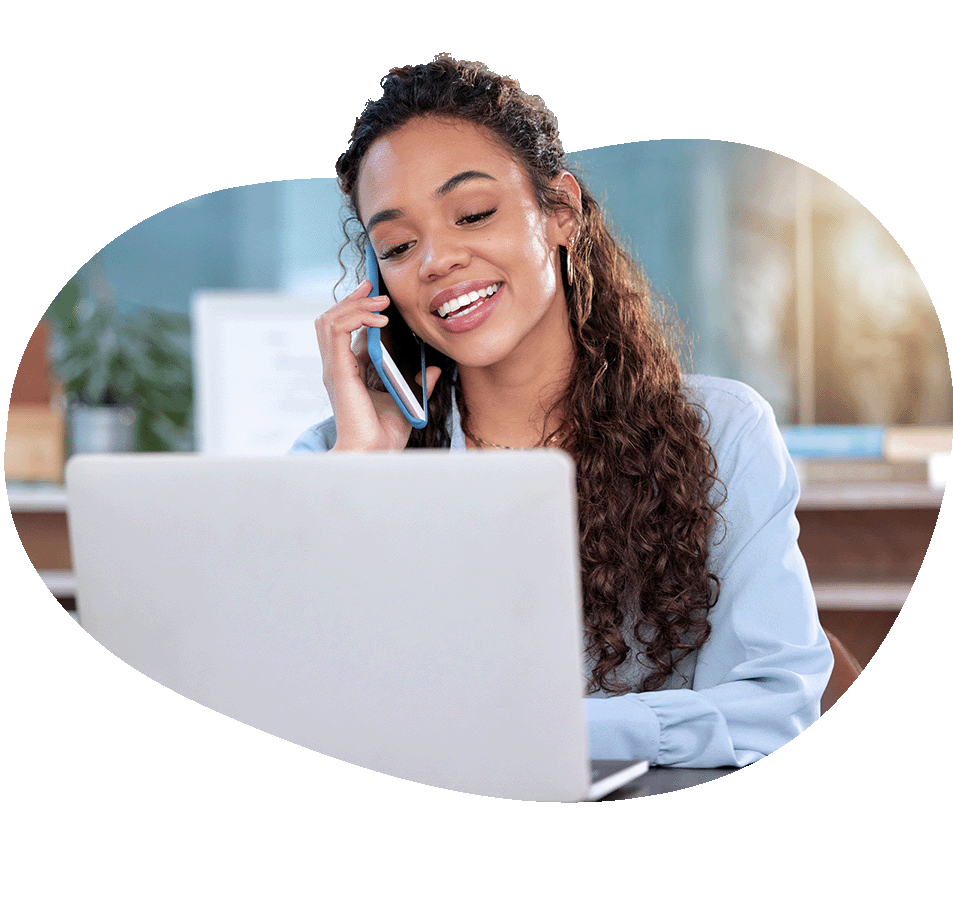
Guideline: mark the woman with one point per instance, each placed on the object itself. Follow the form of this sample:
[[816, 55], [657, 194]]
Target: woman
[[702, 637]]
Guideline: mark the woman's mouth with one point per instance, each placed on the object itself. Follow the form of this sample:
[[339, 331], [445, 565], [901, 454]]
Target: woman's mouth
[[460, 306], [467, 312]]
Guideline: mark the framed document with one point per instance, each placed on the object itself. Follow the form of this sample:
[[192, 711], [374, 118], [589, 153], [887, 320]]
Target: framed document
[[257, 371]]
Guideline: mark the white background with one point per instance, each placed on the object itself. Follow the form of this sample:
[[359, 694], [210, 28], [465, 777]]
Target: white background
[[117, 787]]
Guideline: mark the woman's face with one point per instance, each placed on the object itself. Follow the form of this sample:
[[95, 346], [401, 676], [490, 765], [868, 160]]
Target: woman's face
[[468, 256]]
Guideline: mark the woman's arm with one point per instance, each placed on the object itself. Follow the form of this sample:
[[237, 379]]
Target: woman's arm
[[758, 680]]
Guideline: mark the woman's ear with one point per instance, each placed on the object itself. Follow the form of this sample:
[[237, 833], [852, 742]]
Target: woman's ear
[[566, 185]]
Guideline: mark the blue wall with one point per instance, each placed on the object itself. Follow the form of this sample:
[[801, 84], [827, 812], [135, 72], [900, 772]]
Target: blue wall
[[665, 199]]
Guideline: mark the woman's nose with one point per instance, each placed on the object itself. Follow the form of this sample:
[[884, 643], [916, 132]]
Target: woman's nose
[[442, 254]]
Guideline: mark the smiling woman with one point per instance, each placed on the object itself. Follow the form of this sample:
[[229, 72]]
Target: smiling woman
[[702, 638]]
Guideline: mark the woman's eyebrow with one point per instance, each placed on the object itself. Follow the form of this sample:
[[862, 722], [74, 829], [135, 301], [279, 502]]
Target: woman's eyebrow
[[388, 215], [385, 215], [457, 180]]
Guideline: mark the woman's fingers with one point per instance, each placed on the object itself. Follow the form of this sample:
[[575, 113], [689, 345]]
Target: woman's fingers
[[335, 328], [366, 419], [346, 317], [351, 317]]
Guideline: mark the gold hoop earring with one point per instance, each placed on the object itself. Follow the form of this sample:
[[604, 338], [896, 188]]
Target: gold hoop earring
[[570, 271]]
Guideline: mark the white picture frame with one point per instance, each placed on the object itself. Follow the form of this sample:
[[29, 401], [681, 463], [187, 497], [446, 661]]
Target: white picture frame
[[257, 371]]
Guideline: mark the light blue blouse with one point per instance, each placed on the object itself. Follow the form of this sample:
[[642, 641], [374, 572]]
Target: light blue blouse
[[758, 680]]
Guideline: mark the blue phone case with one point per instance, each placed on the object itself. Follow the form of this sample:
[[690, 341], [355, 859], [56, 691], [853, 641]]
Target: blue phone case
[[374, 348]]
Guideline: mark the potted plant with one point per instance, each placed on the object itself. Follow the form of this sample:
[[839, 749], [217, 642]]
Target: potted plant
[[127, 377]]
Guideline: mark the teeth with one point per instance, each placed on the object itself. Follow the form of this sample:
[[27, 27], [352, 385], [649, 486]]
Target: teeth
[[462, 312], [451, 306]]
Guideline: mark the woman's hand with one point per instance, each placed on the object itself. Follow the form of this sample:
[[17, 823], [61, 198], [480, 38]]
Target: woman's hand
[[365, 419]]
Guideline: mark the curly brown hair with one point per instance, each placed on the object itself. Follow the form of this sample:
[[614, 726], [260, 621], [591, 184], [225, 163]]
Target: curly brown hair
[[646, 475]]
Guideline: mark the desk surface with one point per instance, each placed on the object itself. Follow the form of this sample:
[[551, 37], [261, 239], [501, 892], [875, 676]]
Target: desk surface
[[660, 780]]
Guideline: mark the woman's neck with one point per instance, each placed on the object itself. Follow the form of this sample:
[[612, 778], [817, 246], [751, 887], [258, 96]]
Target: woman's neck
[[513, 403]]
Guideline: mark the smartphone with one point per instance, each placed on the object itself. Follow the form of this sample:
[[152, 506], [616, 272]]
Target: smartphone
[[397, 354]]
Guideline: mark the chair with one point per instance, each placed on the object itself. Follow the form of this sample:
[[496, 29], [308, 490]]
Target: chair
[[846, 670]]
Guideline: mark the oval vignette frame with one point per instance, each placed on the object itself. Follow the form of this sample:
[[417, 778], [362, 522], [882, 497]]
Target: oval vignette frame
[[635, 242]]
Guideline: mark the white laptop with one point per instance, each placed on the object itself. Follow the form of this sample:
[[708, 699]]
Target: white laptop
[[415, 613]]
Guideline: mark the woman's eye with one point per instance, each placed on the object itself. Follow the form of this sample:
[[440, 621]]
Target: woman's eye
[[396, 251], [476, 217]]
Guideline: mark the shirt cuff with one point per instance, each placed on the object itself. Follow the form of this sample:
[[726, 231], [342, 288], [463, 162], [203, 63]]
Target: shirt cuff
[[622, 728]]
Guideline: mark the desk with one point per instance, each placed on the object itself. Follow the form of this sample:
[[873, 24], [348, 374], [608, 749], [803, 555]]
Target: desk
[[662, 780]]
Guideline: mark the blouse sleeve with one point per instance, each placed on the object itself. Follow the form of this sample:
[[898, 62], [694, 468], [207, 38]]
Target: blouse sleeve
[[758, 679], [317, 439]]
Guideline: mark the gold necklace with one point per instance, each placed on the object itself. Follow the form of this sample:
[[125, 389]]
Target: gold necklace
[[487, 444]]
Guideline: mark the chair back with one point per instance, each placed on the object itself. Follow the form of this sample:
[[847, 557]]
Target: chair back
[[846, 670]]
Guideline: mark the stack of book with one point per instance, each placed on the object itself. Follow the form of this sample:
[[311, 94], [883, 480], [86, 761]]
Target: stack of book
[[861, 453]]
